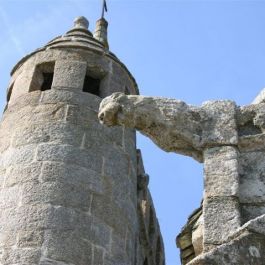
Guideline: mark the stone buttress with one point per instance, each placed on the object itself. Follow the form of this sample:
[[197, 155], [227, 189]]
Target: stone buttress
[[69, 184], [229, 228]]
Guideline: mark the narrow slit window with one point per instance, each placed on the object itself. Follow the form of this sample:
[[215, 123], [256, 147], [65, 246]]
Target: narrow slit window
[[47, 81], [91, 85]]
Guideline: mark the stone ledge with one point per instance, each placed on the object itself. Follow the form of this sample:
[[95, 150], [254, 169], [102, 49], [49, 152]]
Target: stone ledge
[[247, 249]]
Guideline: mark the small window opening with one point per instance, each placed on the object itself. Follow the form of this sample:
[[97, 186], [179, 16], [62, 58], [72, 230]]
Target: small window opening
[[145, 262], [42, 77], [91, 85], [47, 81]]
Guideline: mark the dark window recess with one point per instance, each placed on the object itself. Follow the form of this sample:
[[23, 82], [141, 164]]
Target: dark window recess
[[47, 81], [91, 85], [42, 77]]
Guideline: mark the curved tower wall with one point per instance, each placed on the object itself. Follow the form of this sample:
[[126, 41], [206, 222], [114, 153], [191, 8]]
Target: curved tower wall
[[68, 183]]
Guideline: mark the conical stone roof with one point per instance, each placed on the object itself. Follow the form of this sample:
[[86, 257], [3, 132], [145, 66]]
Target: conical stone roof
[[78, 37]]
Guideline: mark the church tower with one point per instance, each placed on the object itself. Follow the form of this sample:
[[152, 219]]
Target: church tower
[[73, 191]]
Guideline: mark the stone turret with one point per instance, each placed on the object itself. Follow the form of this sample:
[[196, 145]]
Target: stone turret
[[69, 184]]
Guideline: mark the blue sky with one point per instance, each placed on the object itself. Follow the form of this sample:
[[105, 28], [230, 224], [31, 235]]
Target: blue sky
[[190, 50]]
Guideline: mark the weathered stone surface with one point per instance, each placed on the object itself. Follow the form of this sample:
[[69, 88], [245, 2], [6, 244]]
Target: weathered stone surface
[[72, 175], [71, 97], [118, 165], [190, 240], [247, 249], [40, 114], [20, 256], [221, 218], [100, 234], [184, 241], [252, 177], [10, 197], [252, 143], [29, 238], [19, 174], [65, 133], [46, 261], [2, 177], [256, 225], [102, 138], [112, 215], [4, 141], [221, 172], [197, 236], [118, 249], [16, 156], [129, 140], [70, 155], [41, 216], [23, 101], [22, 83], [8, 238], [250, 211], [129, 244], [31, 135], [98, 256], [69, 74], [80, 115], [55, 193], [57, 133], [218, 123], [67, 246]]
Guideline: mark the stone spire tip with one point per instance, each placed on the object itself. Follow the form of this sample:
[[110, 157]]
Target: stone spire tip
[[101, 32]]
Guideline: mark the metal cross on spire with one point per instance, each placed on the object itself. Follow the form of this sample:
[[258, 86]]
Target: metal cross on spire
[[104, 8]]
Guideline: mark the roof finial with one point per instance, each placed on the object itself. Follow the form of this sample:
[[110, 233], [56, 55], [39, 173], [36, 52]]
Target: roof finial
[[104, 8], [81, 22]]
